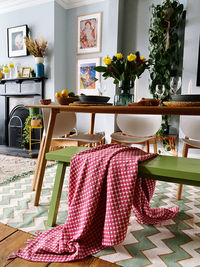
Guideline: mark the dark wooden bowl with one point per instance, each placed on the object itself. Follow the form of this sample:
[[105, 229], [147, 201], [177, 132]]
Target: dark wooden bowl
[[45, 101], [66, 100]]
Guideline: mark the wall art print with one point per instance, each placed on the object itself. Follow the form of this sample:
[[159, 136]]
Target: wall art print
[[15, 39], [89, 33], [87, 77]]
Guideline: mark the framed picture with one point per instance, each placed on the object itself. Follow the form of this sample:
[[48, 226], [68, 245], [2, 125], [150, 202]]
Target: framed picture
[[89, 33], [26, 72], [15, 39], [86, 76]]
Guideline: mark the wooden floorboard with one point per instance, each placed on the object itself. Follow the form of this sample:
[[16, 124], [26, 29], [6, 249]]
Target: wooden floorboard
[[12, 239]]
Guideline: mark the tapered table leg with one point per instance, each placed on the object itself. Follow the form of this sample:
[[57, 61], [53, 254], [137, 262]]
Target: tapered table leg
[[45, 149]]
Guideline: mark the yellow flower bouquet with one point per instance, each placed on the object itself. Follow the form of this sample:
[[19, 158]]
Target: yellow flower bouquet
[[122, 68]]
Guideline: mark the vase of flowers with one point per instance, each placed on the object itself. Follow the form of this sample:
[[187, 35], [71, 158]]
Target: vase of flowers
[[124, 71], [37, 48]]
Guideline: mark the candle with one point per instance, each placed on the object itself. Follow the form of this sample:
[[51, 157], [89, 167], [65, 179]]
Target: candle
[[190, 87], [136, 89]]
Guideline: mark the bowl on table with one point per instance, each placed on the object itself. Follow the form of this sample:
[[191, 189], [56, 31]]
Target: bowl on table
[[66, 100], [45, 101], [93, 99]]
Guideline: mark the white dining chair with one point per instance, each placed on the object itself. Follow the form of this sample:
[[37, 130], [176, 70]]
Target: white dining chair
[[137, 129], [64, 123], [190, 126]]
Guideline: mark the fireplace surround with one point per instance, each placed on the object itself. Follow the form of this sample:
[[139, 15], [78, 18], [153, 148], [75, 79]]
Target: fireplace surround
[[14, 94]]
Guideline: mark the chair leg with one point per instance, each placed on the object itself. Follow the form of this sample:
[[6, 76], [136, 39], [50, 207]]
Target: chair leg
[[184, 154], [147, 146], [38, 164], [56, 195], [155, 149]]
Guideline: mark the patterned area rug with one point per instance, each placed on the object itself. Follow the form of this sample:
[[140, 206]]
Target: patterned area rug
[[173, 243], [11, 167]]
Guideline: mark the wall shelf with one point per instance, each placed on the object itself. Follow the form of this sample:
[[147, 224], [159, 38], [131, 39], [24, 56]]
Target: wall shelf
[[20, 80]]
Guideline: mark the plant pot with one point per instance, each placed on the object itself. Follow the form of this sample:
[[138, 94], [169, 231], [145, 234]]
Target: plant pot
[[33, 111], [35, 123], [39, 67]]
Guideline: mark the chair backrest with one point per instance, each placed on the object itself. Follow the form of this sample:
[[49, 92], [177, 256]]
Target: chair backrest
[[190, 125], [65, 122], [139, 125]]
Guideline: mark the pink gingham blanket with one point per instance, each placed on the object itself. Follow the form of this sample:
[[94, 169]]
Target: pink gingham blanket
[[103, 187]]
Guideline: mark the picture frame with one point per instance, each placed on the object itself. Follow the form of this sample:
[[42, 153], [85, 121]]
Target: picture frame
[[15, 41], [89, 33], [26, 72], [86, 76]]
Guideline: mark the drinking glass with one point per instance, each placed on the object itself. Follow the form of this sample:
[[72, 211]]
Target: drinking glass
[[160, 89], [101, 88], [175, 84]]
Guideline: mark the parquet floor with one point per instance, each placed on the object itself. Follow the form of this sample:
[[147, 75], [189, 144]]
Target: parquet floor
[[12, 239]]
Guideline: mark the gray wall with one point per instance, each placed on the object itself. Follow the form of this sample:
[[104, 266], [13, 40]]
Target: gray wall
[[191, 46], [40, 20], [60, 48], [110, 10]]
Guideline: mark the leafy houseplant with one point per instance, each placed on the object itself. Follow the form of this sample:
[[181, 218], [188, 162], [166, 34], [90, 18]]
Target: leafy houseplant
[[33, 116], [166, 50], [123, 70]]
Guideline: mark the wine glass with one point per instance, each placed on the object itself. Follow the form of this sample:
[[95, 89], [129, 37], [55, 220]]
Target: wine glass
[[175, 84], [101, 88], [160, 89]]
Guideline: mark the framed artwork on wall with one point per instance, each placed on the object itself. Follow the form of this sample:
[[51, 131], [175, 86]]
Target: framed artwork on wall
[[15, 40], [86, 76], [89, 33]]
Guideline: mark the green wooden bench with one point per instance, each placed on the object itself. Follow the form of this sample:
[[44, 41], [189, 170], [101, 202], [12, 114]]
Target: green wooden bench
[[163, 168]]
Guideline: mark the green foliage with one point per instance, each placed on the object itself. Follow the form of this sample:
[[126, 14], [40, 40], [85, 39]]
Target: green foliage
[[166, 35], [25, 135]]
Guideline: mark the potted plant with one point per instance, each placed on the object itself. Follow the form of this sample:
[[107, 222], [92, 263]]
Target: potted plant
[[34, 119]]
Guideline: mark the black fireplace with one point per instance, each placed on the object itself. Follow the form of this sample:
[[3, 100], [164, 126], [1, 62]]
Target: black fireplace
[[16, 125], [14, 95]]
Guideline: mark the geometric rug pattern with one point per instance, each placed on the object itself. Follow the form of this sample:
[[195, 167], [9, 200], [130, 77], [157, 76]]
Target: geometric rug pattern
[[175, 242]]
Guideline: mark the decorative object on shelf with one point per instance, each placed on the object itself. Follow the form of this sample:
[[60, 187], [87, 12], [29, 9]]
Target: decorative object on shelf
[[33, 73], [6, 72], [124, 71], [37, 48], [11, 70], [15, 39], [89, 33], [39, 66], [1, 72], [87, 76], [26, 71]]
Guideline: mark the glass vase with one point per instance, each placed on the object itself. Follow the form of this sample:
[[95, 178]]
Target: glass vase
[[124, 97]]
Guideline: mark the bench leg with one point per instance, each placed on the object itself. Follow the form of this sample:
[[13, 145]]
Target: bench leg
[[184, 154], [57, 190]]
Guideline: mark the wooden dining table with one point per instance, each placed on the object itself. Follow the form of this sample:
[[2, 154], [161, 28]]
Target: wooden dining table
[[101, 109]]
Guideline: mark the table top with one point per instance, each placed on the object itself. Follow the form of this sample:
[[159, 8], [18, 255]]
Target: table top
[[195, 110]]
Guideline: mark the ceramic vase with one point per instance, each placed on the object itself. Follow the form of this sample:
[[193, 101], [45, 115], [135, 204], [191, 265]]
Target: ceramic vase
[[39, 67]]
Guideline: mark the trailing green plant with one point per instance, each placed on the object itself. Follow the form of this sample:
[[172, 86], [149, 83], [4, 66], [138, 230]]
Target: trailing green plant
[[166, 37], [27, 124]]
